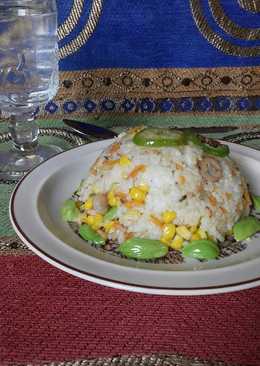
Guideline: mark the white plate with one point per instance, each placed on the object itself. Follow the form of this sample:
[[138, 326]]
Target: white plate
[[34, 212]]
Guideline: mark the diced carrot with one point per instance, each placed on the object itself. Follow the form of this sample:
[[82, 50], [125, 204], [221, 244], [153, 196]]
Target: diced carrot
[[131, 204], [156, 221], [128, 235], [179, 166], [209, 212], [212, 200], [224, 211], [138, 169], [110, 162], [181, 179], [122, 196], [114, 147], [200, 188]]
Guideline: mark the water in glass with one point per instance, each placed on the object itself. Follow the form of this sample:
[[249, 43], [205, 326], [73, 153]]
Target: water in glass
[[28, 74]]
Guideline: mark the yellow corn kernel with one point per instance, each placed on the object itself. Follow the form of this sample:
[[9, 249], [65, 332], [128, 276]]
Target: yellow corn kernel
[[177, 242], [88, 204], [136, 194], [84, 219], [202, 233], [195, 236], [112, 199], [124, 161], [168, 216], [168, 231], [89, 220], [97, 221], [144, 187], [165, 241], [183, 232], [108, 226], [193, 228]]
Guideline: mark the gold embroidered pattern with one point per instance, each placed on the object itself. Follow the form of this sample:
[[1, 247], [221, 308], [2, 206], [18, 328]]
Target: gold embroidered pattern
[[250, 5], [215, 39], [158, 83], [229, 26], [86, 32], [67, 27]]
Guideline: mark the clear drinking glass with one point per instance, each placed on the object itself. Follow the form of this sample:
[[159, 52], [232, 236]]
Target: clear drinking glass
[[28, 78]]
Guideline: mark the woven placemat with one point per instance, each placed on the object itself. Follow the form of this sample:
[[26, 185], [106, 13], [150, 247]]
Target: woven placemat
[[151, 360], [47, 315], [50, 318]]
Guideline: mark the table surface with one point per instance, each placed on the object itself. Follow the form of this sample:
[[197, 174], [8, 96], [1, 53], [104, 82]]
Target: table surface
[[48, 317]]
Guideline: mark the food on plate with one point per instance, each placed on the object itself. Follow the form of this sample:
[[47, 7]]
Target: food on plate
[[159, 193]]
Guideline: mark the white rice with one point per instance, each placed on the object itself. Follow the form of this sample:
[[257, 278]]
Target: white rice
[[214, 206]]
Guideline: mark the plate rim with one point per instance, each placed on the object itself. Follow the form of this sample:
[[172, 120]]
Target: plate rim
[[83, 274]]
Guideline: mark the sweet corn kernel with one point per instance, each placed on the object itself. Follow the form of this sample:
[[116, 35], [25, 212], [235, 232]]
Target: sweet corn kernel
[[177, 242], [84, 219], [144, 187], [124, 161], [183, 232], [112, 199], [168, 216], [193, 228], [202, 233], [88, 204], [137, 194], [156, 221], [195, 236], [97, 221], [90, 220], [108, 226], [165, 241], [168, 231]]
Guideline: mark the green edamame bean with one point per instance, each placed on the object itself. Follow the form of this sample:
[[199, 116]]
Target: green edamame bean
[[110, 214], [69, 211], [256, 202], [246, 227], [141, 248], [201, 249], [87, 233]]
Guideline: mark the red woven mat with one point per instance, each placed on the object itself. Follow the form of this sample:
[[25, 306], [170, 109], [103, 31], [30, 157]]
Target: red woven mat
[[48, 315]]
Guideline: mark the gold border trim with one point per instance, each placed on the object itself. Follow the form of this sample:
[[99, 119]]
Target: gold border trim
[[157, 83], [229, 26], [67, 27], [74, 45], [213, 38], [250, 5], [12, 245]]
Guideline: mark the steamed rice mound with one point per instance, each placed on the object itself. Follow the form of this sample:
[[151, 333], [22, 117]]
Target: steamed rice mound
[[202, 194]]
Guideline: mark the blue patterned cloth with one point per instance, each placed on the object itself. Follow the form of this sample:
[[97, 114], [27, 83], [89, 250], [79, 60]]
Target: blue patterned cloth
[[157, 56], [155, 34]]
